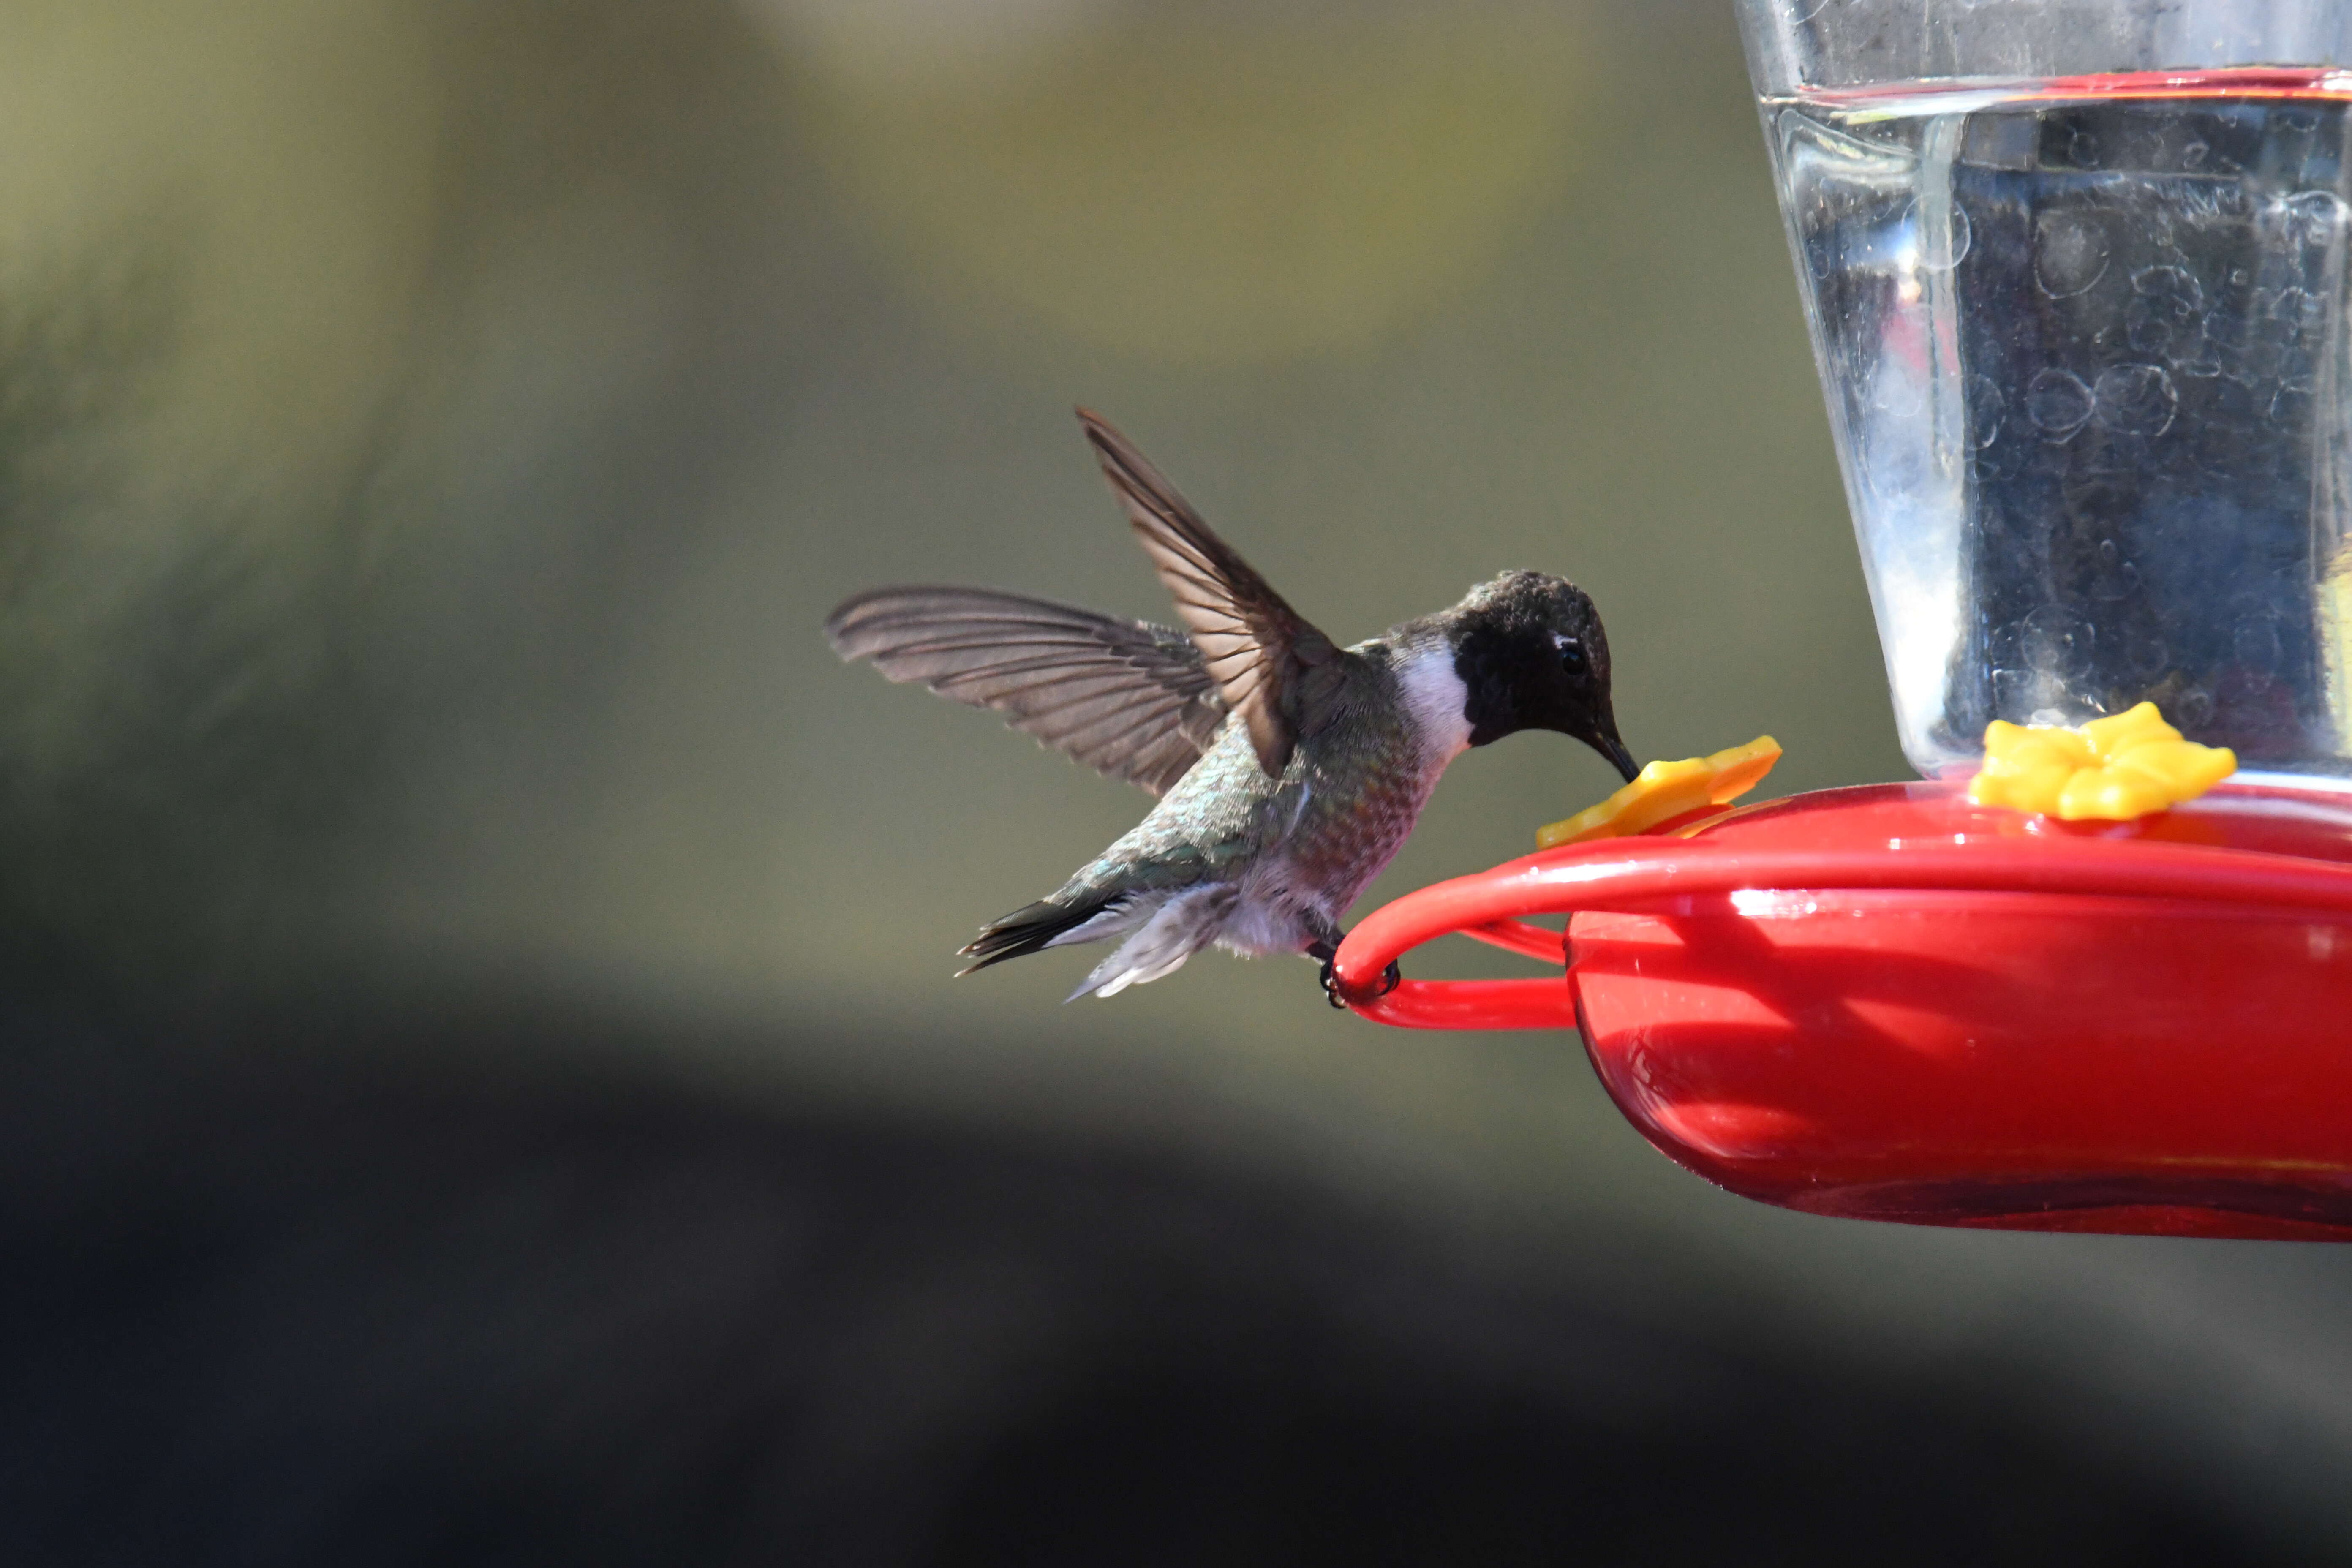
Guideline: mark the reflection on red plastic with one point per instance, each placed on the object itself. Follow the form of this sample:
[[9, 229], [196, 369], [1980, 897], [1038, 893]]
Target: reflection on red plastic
[[2224, 82], [1889, 1003]]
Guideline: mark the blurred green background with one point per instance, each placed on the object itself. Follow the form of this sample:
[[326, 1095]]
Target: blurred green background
[[434, 433]]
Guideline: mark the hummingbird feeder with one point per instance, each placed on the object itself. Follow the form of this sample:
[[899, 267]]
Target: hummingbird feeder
[[2077, 281]]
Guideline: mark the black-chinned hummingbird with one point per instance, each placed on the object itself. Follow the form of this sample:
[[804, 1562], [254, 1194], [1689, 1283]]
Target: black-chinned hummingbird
[[1289, 770]]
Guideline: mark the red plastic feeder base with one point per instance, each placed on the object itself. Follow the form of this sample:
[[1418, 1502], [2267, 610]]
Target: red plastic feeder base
[[1889, 1003]]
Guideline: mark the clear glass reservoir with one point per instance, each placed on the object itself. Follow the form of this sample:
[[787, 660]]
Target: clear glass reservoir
[[2076, 284]]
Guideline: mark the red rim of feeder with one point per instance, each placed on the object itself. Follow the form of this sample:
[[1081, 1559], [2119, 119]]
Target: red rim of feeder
[[1888, 1003], [1651, 874]]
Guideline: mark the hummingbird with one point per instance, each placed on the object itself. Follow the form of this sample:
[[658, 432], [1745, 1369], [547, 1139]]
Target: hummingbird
[[1289, 770]]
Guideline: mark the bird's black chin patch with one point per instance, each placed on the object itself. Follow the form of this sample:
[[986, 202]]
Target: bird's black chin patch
[[1490, 669]]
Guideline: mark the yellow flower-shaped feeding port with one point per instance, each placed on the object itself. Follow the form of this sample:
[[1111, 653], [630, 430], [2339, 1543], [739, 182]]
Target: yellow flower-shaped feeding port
[[1665, 790], [2110, 770]]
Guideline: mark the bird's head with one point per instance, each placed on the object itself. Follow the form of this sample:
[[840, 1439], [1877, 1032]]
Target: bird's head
[[1531, 655]]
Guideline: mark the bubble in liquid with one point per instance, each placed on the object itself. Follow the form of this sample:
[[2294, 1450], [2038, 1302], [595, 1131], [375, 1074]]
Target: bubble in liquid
[[2196, 359], [2070, 252], [2135, 399], [2239, 350], [1945, 250], [1986, 406], [2057, 402], [2172, 292], [2001, 460], [2146, 654], [2191, 708], [2256, 647], [2193, 155], [2116, 586], [2166, 314], [2056, 640], [2146, 329]]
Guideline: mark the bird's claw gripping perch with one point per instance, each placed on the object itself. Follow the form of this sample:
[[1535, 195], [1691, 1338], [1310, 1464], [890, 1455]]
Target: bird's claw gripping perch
[[1390, 977]]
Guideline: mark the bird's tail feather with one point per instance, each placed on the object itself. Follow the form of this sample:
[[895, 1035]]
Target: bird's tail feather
[[1031, 928], [1176, 930]]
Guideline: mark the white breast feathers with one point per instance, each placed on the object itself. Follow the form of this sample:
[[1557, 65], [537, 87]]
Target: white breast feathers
[[1434, 699]]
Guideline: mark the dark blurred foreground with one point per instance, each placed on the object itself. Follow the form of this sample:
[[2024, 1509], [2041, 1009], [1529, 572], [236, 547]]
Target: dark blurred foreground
[[320, 1289]]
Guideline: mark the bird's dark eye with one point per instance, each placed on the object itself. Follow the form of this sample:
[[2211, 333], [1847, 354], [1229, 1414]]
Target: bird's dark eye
[[1571, 656]]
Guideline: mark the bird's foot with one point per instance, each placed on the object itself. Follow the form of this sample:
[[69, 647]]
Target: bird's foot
[[1390, 977], [1326, 953]]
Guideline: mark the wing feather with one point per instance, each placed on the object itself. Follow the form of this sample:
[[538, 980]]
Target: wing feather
[[1126, 698], [1257, 650]]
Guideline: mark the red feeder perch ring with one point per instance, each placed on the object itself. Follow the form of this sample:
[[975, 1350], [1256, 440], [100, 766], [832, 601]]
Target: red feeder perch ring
[[1889, 1003]]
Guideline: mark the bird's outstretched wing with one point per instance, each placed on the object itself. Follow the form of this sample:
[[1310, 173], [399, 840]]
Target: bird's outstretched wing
[[1264, 657], [1126, 698]]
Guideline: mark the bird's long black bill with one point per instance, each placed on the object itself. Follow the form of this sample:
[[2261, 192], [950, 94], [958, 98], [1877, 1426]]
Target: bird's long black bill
[[1611, 747]]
